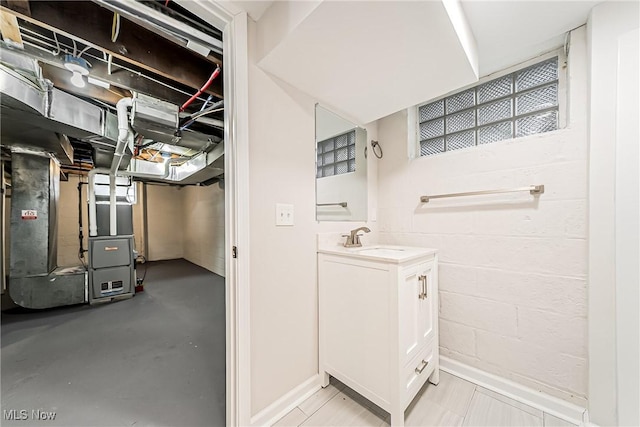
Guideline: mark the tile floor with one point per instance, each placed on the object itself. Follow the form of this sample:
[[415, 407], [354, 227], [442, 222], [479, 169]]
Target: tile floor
[[454, 402]]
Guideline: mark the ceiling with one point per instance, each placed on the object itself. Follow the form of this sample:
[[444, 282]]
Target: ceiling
[[254, 8], [509, 32], [506, 32], [369, 59]]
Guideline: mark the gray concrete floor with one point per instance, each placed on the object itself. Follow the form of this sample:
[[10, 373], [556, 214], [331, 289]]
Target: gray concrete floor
[[157, 359]]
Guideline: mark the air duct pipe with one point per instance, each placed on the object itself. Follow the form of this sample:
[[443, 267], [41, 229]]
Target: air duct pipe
[[168, 163], [123, 137]]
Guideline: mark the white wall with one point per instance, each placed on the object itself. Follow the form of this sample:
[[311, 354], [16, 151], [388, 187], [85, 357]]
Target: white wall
[[284, 326], [613, 382], [203, 225], [513, 268], [165, 222], [628, 230]]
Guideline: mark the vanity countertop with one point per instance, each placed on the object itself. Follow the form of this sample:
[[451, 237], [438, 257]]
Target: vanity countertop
[[385, 253]]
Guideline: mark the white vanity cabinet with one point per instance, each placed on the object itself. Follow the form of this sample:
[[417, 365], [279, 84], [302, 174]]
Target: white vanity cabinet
[[379, 322]]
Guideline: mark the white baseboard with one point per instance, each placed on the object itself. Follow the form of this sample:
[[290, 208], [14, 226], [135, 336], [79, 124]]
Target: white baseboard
[[286, 403], [545, 402]]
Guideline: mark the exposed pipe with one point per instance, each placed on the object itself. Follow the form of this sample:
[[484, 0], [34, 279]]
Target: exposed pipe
[[123, 137], [80, 227], [93, 224], [123, 132], [202, 89], [113, 206], [145, 221]]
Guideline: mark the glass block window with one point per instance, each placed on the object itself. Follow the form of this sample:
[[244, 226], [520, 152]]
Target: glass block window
[[336, 155], [522, 103]]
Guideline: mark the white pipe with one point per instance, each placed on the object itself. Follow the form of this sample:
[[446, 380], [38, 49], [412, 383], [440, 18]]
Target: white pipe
[[123, 137], [113, 220], [93, 224], [123, 132]]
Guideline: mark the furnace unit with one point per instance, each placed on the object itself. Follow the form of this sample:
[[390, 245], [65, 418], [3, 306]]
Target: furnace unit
[[112, 257]]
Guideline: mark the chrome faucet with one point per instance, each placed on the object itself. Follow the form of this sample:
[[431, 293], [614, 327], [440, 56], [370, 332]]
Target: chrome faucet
[[353, 239]]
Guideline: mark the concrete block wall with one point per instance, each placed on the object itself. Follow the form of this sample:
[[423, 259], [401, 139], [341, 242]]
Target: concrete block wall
[[513, 267], [203, 216]]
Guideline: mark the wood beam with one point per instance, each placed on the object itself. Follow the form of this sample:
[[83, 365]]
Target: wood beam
[[10, 29], [91, 24]]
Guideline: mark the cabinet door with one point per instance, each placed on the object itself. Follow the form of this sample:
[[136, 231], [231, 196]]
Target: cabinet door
[[427, 303], [409, 291], [416, 309]]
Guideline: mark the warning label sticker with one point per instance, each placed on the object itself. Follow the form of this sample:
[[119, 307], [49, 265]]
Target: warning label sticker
[[29, 214]]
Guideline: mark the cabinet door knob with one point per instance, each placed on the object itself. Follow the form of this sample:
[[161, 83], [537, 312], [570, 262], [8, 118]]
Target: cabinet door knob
[[423, 281], [420, 368]]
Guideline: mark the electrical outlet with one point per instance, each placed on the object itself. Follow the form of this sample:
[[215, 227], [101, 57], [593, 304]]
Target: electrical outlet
[[284, 214]]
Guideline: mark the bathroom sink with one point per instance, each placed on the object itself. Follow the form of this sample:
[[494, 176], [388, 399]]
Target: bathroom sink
[[381, 251], [385, 253]]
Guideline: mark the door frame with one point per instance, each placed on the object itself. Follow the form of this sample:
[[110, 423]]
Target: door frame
[[234, 25]]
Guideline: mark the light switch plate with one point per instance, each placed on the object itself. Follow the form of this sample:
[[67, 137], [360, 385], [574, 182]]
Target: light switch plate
[[284, 214]]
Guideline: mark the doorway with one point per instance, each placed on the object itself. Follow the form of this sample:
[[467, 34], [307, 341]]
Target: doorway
[[232, 130]]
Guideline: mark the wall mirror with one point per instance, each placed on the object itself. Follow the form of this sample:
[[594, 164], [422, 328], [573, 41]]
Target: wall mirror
[[341, 168]]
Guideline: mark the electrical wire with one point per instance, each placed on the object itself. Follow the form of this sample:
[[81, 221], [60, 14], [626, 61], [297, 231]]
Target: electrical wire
[[193, 118], [55, 37], [83, 51], [115, 27], [206, 102], [146, 268], [26, 36], [204, 87]]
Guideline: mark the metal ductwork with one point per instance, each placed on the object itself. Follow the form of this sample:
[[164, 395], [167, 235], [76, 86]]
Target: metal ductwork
[[36, 280], [36, 115]]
